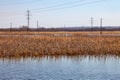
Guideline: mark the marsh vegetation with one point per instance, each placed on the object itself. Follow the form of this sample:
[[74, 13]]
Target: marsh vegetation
[[57, 43]]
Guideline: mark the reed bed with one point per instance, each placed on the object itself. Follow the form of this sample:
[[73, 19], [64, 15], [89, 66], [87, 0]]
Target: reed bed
[[33, 46]]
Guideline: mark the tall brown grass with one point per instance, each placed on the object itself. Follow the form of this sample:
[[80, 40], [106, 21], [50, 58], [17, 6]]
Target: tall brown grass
[[33, 46]]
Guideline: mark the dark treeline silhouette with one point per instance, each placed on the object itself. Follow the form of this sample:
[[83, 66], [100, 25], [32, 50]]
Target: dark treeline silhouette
[[105, 28]]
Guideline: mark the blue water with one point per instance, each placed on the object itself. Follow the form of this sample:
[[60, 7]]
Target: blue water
[[60, 68]]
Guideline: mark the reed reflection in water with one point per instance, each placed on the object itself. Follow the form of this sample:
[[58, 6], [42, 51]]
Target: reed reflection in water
[[60, 68]]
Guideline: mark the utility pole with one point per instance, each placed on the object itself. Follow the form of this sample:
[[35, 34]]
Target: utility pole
[[91, 23], [28, 19], [37, 25], [64, 25], [101, 25], [10, 26]]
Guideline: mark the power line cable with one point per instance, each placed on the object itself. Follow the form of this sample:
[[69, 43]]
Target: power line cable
[[64, 7], [63, 4]]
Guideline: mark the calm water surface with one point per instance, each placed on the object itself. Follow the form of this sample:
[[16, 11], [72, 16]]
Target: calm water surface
[[61, 68]]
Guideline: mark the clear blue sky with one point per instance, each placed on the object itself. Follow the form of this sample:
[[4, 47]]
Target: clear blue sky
[[57, 13]]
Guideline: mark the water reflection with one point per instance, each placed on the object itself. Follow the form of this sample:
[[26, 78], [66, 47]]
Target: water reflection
[[60, 68], [59, 57], [36, 35]]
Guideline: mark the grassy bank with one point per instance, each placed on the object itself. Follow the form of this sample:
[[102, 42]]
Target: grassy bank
[[24, 46]]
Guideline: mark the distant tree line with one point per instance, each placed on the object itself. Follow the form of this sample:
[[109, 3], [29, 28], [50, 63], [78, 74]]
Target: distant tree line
[[25, 28]]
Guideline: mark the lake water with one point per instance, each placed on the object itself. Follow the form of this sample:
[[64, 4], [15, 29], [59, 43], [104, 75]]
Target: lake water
[[60, 68]]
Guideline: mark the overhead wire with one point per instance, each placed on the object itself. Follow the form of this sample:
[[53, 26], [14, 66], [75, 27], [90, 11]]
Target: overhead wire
[[66, 6], [62, 4], [20, 3]]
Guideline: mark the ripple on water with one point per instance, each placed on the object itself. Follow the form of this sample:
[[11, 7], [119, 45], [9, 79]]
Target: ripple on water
[[64, 68]]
